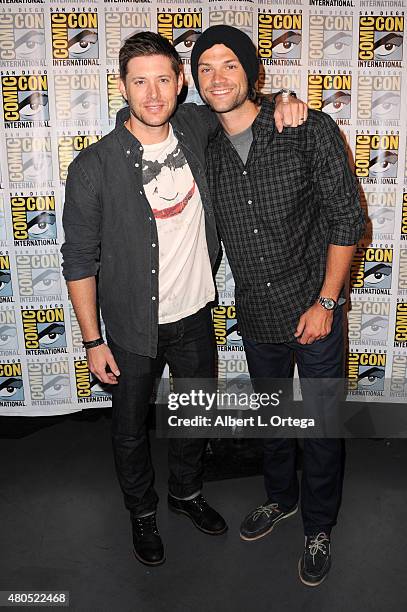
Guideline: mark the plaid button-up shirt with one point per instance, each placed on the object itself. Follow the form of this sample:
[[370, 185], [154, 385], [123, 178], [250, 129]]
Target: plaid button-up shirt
[[277, 214]]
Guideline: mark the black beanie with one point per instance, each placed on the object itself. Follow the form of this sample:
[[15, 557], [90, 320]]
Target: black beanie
[[236, 40]]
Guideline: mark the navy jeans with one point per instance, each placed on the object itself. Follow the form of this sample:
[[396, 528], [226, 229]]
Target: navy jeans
[[323, 458], [188, 346]]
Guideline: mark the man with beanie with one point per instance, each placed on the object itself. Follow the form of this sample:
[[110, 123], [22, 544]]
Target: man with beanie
[[287, 210], [138, 216]]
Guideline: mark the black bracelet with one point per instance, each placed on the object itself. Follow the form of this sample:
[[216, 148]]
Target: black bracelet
[[92, 343]]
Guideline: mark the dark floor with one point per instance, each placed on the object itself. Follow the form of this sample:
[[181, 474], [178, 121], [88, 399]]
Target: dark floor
[[63, 526]]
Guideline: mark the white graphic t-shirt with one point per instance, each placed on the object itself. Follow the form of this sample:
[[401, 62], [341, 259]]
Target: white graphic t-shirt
[[185, 276]]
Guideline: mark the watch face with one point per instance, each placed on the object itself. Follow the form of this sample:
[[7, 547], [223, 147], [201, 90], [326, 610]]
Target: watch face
[[329, 304]]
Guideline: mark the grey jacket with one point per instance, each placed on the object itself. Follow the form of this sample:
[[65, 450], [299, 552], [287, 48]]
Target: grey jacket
[[110, 230]]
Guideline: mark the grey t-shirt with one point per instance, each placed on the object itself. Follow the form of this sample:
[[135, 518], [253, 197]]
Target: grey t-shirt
[[242, 143]]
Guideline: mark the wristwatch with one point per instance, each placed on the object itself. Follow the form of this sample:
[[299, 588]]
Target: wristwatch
[[327, 303]]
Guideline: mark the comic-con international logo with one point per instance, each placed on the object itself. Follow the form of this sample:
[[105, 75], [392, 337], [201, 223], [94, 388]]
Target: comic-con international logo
[[232, 367], [279, 38], [381, 40], [400, 328], [227, 333], [330, 40], [88, 388], [77, 99], [366, 373], [115, 100], [224, 280], [75, 38], [403, 227], [376, 157], [49, 382], [232, 14], [379, 99], [331, 93], [11, 384], [8, 331], [381, 210], [6, 285], [22, 38], [402, 278], [29, 161], [39, 277], [272, 82], [122, 24], [181, 28], [44, 330], [398, 380], [34, 219], [3, 224], [371, 270], [69, 147], [368, 323], [76, 335], [25, 100]]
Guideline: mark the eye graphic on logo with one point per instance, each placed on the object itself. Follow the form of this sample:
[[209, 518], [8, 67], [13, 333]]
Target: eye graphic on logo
[[370, 377], [337, 102], [377, 274], [385, 105], [339, 43], [34, 104], [29, 43], [374, 326], [97, 387], [382, 220], [87, 103], [388, 44], [286, 43], [51, 334], [186, 41], [8, 336], [233, 334], [38, 166], [40, 224], [9, 387], [47, 281], [82, 42], [56, 387], [5, 278], [383, 163]]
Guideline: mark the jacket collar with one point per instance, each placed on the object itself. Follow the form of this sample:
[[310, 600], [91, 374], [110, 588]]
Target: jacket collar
[[126, 138]]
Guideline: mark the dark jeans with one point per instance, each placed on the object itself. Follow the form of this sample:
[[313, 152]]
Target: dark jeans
[[188, 346], [323, 458]]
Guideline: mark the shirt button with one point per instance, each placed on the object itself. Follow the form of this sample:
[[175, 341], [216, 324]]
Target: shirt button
[[153, 271], [128, 152], [140, 148], [261, 258], [153, 245], [255, 231], [153, 298], [244, 172], [250, 201], [268, 284], [136, 165], [141, 193], [150, 219]]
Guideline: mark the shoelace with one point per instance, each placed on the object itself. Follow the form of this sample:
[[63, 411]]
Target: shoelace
[[268, 510], [199, 502], [146, 523], [316, 544]]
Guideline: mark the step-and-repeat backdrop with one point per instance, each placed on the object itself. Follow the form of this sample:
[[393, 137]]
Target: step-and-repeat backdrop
[[59, 65]]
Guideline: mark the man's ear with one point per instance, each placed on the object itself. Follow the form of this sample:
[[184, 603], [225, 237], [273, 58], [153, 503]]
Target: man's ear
[[122, 89], [180, 82]]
